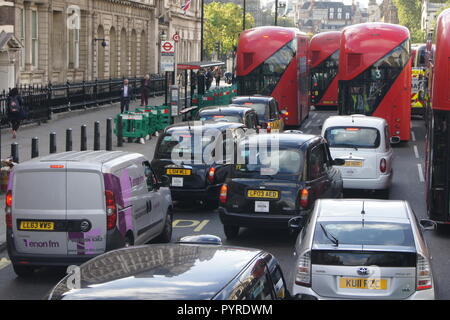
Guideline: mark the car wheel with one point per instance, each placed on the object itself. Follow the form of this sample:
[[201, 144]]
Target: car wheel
[[231, 232], [23, 271], [129, 241], [211, 204], [166, 234]]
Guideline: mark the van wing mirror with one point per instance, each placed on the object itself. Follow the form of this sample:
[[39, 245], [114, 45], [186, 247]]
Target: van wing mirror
[[338, 162], [427, 224], [394, 140], [295, 224]]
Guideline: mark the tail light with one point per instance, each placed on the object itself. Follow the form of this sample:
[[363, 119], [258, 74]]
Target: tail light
[[268, 129], [211, 175], [423, 273], [383, 165], [223, 194], [304, 195], [8, 213], [303, 276], [111, 210]]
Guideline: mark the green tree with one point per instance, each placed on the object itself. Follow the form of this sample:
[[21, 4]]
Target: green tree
[[446, 6], [223, 23], [409, 15]]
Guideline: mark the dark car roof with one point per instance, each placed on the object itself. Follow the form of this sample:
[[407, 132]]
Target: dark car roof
[[254, 99], [225, 110], [285, 140], [203, 125], [162, 271]]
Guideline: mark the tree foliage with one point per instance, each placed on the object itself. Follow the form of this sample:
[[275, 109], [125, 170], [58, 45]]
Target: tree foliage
[[223, 23], [409, 15], [446, 6]]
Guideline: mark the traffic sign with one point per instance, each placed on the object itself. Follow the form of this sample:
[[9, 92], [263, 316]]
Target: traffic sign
[[176, 37], [167, 47], [167, 56]]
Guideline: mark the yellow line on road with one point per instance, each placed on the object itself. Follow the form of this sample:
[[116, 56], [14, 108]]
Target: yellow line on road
[[4, 263]]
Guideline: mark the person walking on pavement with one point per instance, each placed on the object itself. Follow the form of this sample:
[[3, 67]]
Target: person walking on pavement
[[209, 79], [201, 82], [145, 90], [126, 93], [217, 76], [15, 110]]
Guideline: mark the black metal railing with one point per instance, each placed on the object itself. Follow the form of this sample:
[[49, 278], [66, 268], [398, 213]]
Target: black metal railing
[[41, 101]]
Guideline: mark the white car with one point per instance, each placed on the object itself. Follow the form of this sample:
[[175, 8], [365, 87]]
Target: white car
[[363, 142], [362, 249]]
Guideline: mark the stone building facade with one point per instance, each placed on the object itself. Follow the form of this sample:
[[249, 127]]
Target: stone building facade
[[76, 40]]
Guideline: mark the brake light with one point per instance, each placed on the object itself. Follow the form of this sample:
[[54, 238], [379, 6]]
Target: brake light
[[304, 195], [8, 214], [111, 210], [383, 165], [57, 166], [423, 273], [303, 276], [223, 194], [268, 128], [211, 175]]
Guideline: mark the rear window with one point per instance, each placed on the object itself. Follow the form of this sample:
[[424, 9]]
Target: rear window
[[287, 162], [351, 137], [40, 190], [364, 258], [84, 190], [367, 233], [221, 118], [259, 108], [182, 143]]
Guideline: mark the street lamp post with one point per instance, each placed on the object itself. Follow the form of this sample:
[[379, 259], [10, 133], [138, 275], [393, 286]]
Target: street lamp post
[[243, 15], [202, 17], [276, 12]]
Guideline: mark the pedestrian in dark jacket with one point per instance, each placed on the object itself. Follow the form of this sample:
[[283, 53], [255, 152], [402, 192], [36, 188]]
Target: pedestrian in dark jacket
[[209, 79], [145, 90], [201, 82], [15, 110], [126, 94]]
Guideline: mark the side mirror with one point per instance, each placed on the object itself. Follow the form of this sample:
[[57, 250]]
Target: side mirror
[[295, 224], [338, 162], [427, 224], [395, 140]]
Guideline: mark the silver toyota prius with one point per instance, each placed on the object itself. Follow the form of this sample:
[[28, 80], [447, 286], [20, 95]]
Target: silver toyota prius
[[362, 249]]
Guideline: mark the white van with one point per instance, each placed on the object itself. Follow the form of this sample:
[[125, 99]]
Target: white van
[[66, 208]]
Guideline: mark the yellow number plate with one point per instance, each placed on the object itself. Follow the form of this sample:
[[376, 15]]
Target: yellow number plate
[[179, 172], [37, 225], [353, 163], [268, 194], [363, 283]]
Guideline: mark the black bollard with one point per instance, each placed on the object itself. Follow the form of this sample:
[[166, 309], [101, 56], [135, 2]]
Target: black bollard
[[69, 143], [119, 132], [15, 152], [53, 142], [83, 144], [35, 147], [109, 134], [96, 135]]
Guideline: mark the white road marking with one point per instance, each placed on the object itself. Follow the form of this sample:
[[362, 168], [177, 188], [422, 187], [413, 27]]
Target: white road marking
[[419, 167], [307, 125], [314, 115], [4, 263], [413, 136], [416, 152]]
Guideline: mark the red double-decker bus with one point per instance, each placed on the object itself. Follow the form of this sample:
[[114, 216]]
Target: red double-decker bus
[[375, 75], [437, 162], [324, 55], [273, 61]]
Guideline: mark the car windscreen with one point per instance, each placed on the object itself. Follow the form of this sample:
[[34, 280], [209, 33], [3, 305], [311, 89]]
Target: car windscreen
[[182, 144], [277, 163], [363, 233], [260, 109], [220, 118], [351, 137]]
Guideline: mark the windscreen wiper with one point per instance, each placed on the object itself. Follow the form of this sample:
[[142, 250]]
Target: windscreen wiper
[[330, 236]]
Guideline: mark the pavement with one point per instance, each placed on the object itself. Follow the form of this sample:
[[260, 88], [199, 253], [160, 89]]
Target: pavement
[[59, 124]]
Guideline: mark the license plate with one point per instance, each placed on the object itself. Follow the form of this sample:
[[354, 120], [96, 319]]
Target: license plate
[[37, 225], [261, 206], [177, 182], [178, 172], [269, 194], [353, 163], [363, 283]]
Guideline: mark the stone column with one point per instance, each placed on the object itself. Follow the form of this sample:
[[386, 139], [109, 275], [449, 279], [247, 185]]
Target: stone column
[[44, 41], [28, 42]]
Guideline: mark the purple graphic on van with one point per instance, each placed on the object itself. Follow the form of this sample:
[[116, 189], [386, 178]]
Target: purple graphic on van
[[10, 180], [121, 187], [85, 241]]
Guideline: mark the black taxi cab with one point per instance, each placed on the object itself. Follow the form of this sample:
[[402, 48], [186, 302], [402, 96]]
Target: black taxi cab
[[268, 188], [194, 158], [176, 271], [230, 113], [266, 107]]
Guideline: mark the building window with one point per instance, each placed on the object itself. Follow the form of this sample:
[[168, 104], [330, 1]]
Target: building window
[[74, 48], [331, 15], [22, 37], [339, 16], [347, 16], [34, 38], [339, 10]]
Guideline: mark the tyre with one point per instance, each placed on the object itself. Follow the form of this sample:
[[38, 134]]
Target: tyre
[[211, 204], [166, 234], [231, 232], [129, 240], [23, 271]]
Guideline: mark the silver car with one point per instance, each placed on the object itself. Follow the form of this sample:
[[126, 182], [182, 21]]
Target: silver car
[[362, 249]]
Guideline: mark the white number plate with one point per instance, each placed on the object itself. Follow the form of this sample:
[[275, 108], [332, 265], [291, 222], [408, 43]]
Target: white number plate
[[177, 182], [261, 206]]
